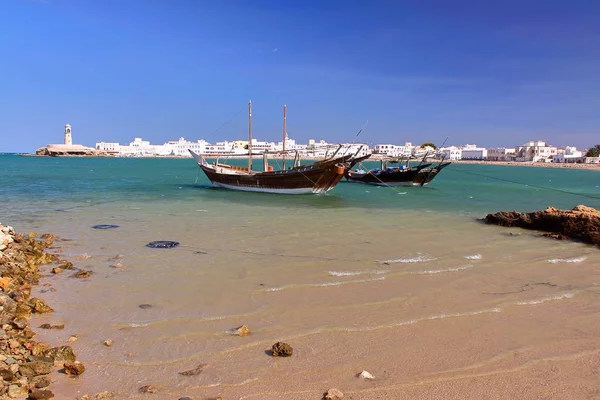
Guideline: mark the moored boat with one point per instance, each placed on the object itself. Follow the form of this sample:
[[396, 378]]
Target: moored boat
[[401, 175], [316, 178]]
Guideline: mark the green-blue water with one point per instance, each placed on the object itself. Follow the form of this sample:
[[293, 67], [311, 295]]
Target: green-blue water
[[33, 184], [314, 271]]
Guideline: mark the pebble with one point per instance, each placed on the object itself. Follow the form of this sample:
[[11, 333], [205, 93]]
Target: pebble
[[74, 368], [334, 394], [108, 342], [241, 330], [37, 394], [83, 274], [148, 389], [104, 395], [72, 339], [281, 349], [365, 375]]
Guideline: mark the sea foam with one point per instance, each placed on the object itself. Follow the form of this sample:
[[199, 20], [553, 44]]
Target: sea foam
[[418, 259], [568, 260], [545, 299], [474, 257], [438, 271], [356, 273]]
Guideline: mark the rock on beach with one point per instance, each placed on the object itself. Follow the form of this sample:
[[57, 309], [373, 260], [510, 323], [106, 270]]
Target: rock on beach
[[581, 223], [25, 364]]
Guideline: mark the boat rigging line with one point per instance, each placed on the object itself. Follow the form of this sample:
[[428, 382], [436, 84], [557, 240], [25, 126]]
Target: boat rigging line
[[589, 196]]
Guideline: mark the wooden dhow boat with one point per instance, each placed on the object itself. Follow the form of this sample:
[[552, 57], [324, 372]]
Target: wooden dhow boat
[[316, 178], [401, 175]]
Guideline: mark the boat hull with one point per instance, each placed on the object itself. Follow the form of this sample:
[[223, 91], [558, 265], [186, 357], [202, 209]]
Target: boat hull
[[416, 176], [315, 178]]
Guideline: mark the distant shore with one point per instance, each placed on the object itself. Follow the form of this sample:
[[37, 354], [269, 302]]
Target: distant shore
[[532, 164], [374, 157]]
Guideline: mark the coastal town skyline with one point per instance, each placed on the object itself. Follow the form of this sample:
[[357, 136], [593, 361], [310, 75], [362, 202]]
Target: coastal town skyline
[[494, 74]]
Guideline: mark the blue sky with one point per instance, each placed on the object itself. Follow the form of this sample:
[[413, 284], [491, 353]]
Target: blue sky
[[491, 73]]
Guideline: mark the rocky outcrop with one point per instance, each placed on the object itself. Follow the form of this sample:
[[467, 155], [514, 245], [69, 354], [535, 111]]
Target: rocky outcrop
[[24, 362], [57, 150], [581, 223]]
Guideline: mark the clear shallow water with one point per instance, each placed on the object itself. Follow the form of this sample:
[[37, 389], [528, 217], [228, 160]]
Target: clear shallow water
[[354, 268], [62, 183]]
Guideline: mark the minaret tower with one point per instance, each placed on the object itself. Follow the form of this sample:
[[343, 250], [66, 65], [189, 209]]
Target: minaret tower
[[68, 137]]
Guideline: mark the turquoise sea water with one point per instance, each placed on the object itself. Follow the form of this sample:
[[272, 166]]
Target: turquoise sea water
[[362, 264], [34, 184]]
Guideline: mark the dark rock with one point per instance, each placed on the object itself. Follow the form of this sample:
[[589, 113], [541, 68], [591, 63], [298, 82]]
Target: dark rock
[[281, 349], [581, 223], [162, 244], [39, 306], [333, 394], [64, 264], [185, 398], [74, 368], [60, 354], [35, 368], [48, 326], [7, 375], [148, 389], [9, 308], [40, 358], [41, 381], [83, 274], [20, 323], [145, 306], [106, 226], [194, 371], [37, 394]]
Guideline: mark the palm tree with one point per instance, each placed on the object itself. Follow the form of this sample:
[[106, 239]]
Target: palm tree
[[433, 146], [593, 151]]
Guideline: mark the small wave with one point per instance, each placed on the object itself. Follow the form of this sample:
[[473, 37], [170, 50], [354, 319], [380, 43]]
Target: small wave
[[474, 257], [437, 271], [545, 299], [325, 284], [568, 260], [417, 259], [355, 273], [414, 321]]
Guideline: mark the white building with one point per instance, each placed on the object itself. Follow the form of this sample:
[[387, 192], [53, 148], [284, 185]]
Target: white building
[[568, 155], [536, 151], [180, 147], [451, 153], [394, 150], [472, 152], [501, 154]]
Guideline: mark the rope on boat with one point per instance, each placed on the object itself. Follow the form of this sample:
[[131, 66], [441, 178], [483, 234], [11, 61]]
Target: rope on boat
[[384, 184], [529, 185]]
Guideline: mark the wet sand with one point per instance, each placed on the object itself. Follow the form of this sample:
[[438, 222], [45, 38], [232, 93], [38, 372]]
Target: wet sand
[[431, 314]]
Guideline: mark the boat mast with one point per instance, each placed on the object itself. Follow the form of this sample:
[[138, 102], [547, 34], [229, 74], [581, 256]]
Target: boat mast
[[250, 136], [284, 133]]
